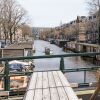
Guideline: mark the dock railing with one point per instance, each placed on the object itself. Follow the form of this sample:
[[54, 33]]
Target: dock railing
[[7, 74]]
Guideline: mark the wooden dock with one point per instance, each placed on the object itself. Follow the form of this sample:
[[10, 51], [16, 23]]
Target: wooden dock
[[51, 85], [26, 45]]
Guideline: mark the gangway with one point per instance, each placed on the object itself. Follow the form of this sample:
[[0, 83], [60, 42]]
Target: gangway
[[50, 85]]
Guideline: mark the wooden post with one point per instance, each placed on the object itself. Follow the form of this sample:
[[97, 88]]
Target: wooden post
[[6, 78], [84, 77]]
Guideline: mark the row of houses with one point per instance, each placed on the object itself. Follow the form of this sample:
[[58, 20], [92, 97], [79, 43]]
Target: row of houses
[[82, 29], [21, 34]]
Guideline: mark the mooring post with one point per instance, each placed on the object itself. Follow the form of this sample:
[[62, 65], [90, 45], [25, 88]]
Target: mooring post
[[6, 77], [84, 77], [62, 64]]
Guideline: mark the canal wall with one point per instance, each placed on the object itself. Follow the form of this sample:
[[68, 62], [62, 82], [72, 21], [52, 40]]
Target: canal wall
[[78, 47], [83, 47]]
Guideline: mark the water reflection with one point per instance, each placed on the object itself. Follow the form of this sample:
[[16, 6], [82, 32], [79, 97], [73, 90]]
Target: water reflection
[[54, 63]]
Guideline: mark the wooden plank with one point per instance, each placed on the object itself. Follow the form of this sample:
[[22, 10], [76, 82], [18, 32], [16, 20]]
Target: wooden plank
[[45, 80], [4, 93], [13, 52], [38, 94], [57, 79], [70, 93], [51, 80], [62, 94], [54, 94], [46, 94], [63, 79], [49, 86], [84, 92], [29, 95], [39, 81], [32, 83]]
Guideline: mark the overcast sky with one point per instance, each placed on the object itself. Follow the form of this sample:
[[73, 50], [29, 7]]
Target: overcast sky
[[50, 13]]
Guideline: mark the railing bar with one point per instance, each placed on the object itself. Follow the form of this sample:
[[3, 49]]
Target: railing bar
[[65, 70], [51, 56]]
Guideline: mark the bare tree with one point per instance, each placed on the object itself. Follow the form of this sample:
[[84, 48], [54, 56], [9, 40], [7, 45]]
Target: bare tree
[[94, 6], [26, 30], [11, 18]]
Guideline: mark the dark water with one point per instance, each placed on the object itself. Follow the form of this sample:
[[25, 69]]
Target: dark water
[[70, 62]]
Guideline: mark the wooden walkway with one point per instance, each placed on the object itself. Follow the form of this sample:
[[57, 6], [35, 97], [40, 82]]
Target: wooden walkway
[[51, 85]]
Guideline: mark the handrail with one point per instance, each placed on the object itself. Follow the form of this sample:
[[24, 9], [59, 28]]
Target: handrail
[[51, 56], [7, 74]]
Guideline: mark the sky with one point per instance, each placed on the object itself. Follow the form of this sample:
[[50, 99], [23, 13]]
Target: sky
[[51, 13]]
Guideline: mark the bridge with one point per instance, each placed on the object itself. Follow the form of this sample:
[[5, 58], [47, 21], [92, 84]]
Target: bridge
[[7, 74], [49, 85]]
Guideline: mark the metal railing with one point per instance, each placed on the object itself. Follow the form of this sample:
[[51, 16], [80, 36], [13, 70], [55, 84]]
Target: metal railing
[[7, 74]]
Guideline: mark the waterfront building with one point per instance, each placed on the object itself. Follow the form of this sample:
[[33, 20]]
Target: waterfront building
[[92, 29], [74, 30], [82, 29]]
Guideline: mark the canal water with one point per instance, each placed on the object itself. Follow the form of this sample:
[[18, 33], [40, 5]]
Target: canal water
[[54, 63]]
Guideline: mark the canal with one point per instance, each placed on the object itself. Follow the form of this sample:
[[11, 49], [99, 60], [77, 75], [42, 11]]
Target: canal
[[70, 62]]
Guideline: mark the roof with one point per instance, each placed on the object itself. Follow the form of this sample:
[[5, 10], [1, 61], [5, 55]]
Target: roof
[[20, 46]]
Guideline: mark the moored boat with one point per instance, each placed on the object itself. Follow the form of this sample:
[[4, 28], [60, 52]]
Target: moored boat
[[20, 66], [48, 51]]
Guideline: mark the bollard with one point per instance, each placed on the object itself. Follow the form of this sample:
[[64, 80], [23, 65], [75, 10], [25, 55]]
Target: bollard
[[84, 77], [62, 64]]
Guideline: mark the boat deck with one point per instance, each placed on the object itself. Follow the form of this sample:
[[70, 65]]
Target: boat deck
[[51, 85]]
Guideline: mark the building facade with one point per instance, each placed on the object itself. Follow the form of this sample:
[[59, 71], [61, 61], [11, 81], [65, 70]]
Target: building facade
[[82, 29]]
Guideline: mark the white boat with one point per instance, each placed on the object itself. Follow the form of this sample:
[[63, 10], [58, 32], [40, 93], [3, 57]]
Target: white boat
[[20, 66]]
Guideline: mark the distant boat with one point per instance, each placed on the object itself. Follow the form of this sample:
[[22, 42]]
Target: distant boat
[[48, 51], [18, 83]]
